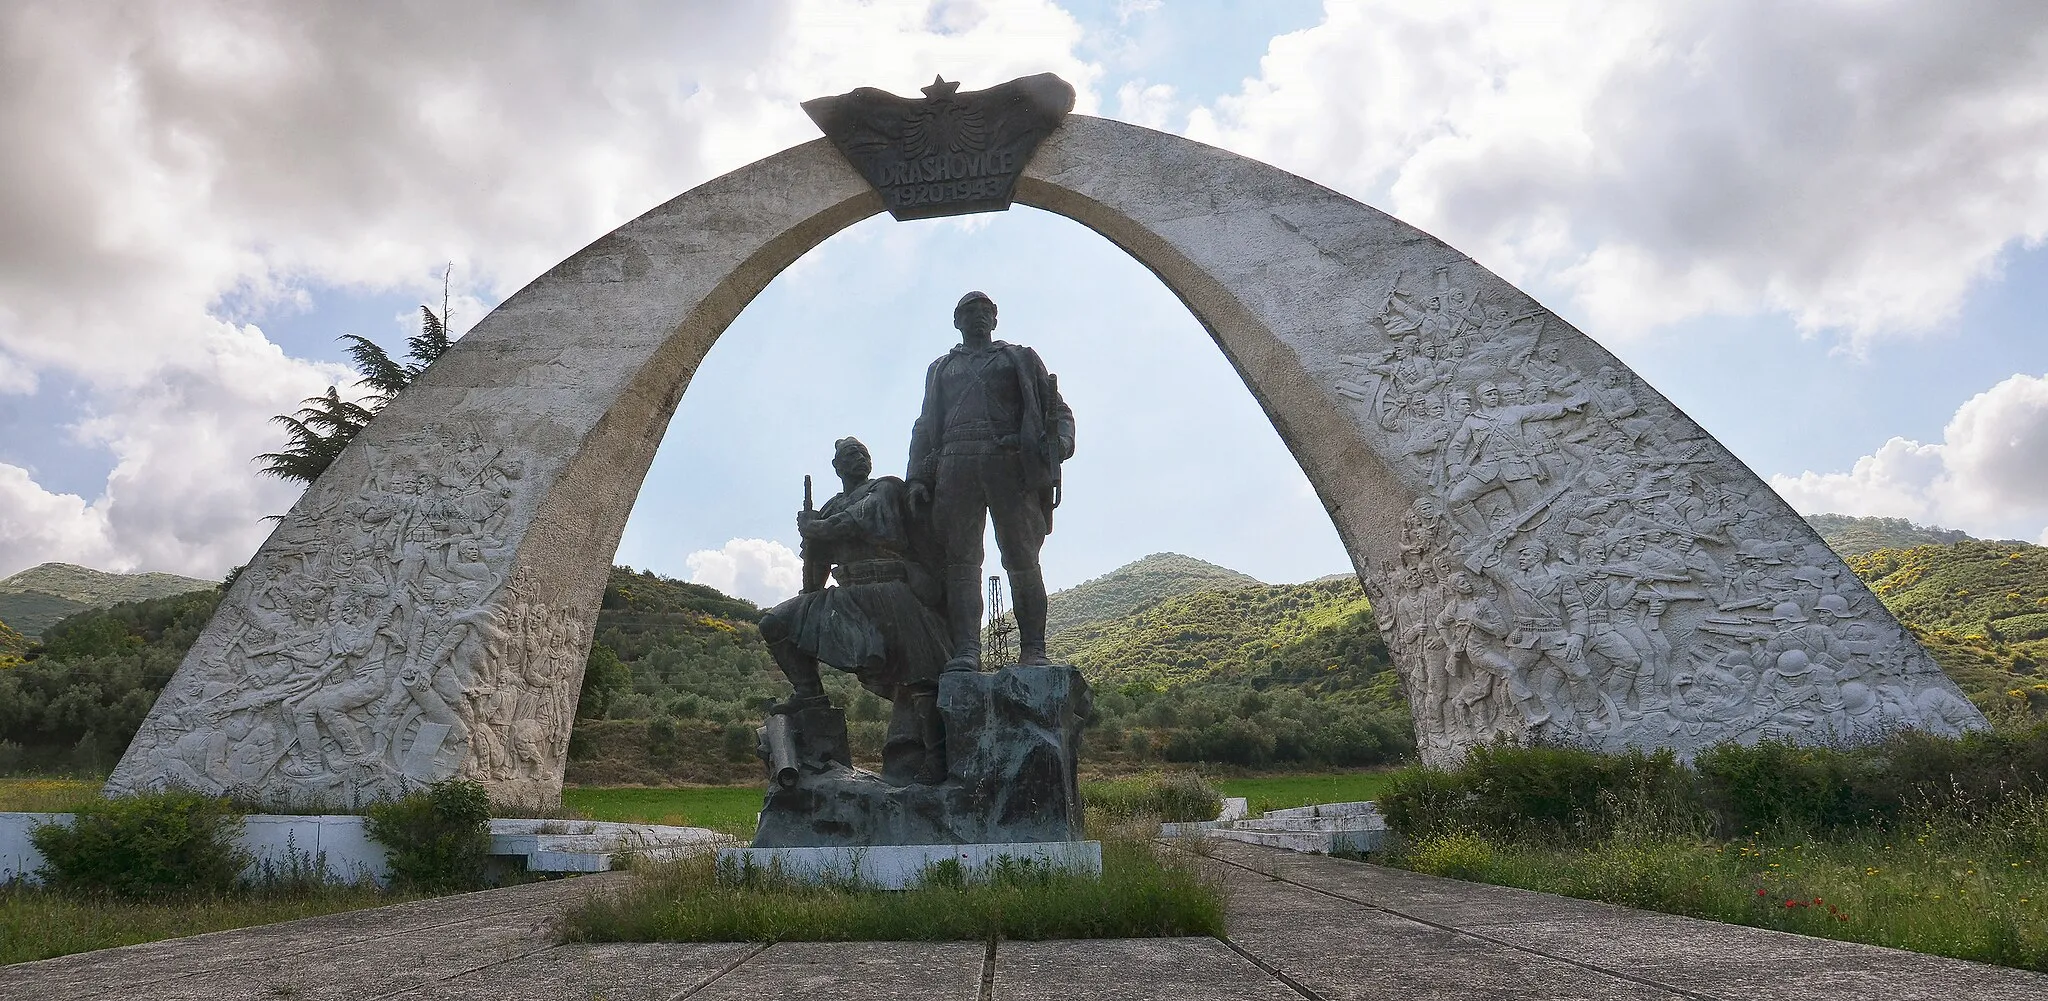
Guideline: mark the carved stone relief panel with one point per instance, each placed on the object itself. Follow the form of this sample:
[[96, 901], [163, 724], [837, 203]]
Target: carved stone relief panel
[[1584, 566], [379, 648]]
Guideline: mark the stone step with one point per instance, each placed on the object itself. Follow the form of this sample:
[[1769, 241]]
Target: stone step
[[1320, 842], [1361, 808]]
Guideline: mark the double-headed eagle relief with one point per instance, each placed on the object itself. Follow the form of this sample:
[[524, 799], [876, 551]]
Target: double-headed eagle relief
[[1584, 566], [950, 153]]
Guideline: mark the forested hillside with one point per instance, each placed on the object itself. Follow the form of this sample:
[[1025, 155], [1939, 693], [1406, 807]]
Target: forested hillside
[[1981, 608], [1259, 675], [38, 597], [12, 645], [1853, 536], [1135, 585]]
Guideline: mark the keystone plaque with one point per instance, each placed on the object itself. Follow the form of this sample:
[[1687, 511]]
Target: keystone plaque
[[950, 153]]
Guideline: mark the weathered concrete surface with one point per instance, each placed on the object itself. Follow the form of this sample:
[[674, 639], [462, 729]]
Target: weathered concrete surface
[[1300, 926], [1554, 548], [357, 954], [1389, 933], [1142, 969], [856, 971]]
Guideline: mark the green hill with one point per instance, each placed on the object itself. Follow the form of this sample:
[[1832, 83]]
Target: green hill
[[34, 611], [1853, 536], [36, 598], [1135, 585], [1262, 675], [1981, 608], [12, 645]]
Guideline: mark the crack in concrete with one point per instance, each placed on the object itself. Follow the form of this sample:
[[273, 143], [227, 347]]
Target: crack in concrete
[[1455, 930]]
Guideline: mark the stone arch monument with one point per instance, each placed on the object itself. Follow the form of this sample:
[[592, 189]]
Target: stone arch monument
[[1554, 549]]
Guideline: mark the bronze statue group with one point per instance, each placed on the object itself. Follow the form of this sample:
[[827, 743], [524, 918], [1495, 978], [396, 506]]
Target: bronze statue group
[[892, 567]]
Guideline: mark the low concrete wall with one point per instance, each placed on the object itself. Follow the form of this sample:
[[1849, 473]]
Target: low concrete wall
[[341, 844], [894, 867], [276, 843]]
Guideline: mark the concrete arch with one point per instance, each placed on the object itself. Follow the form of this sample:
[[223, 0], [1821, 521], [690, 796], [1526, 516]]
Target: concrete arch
[[425, 609]]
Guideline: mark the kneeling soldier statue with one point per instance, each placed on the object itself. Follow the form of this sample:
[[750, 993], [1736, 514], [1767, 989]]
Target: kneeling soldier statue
[[879, 623]]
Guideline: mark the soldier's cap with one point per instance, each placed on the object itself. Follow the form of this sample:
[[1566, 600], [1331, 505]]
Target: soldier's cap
[[849, 444], [970, 297], [1788, 611]]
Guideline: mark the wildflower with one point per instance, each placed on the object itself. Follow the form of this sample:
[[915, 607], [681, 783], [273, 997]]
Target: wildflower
[[1759, 891]]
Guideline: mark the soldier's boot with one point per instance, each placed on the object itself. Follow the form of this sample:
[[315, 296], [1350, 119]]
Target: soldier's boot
[[963, 616], [932, 731], [800, 668], [802, 672], [1027, 595]]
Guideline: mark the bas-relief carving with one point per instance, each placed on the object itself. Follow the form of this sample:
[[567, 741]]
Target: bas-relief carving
[[1649, 616], [379, 648], [1584, 567]]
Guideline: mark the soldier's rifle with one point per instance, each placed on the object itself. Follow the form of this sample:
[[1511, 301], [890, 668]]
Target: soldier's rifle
[[816, 569], [1500, 536], [1742, 627]]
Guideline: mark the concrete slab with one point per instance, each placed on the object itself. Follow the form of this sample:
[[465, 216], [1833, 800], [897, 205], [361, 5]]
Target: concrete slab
[[855, 971], [1143, 969], [1698, 958], [612, 971], [1341, 951], [151, 967]]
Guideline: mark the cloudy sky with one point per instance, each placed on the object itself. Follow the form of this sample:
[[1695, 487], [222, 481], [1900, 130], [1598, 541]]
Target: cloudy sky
[[1816, 226]]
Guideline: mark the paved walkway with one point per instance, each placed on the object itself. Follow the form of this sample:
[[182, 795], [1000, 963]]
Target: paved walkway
[[1301, 926]]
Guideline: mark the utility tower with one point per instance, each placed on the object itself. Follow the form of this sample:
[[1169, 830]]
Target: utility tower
[[995, 646]]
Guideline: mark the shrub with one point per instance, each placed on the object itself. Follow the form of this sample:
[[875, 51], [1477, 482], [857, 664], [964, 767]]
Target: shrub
[[438, 839], [1172, 797], [1777, 785], [145, 846], [1508, 792]]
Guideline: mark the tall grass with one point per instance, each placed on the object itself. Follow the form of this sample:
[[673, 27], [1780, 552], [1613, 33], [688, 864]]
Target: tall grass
[[1141, 893], [1918, 842], [46, 795], [1172, 797], [1974, 892]]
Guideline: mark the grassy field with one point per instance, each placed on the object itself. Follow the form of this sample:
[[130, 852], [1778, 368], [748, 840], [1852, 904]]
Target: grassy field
[[1278, 792], [1970, 892], [39, 925], [40, 795], [1140, 894], [730, 809]]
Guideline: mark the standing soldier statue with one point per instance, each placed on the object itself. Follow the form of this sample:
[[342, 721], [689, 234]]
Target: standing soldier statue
[[989, 444]]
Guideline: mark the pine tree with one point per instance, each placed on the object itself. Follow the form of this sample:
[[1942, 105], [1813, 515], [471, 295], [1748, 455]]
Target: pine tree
[[325, 425]]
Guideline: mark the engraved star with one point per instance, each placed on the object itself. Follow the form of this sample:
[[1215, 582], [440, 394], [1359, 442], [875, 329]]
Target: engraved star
[[940, 87]]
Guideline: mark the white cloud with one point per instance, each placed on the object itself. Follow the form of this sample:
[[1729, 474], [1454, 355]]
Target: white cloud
[[1150, 105], [1988, 475], [1854, 165], [164, 158], [762, 571], [35, 523]]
